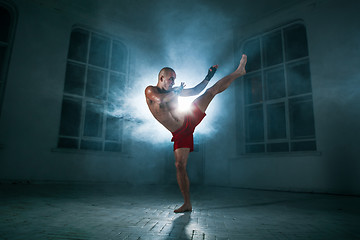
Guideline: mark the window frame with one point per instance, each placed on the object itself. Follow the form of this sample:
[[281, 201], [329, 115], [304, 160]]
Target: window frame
[[265, 102], [85, 100]]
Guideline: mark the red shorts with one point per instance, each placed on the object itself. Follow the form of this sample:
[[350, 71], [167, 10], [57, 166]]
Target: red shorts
[[183, 137]]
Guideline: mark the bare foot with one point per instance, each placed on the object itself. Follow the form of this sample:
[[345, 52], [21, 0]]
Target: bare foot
[[241, 68], [184, 208]]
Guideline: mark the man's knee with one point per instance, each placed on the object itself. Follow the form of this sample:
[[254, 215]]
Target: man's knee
[[181, 156], [180, 165]]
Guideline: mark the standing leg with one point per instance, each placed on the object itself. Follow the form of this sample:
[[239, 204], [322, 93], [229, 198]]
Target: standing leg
[[181, 157], [204, 100]]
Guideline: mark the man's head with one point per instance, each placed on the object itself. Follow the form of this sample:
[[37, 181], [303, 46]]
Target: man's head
[[166, 78]]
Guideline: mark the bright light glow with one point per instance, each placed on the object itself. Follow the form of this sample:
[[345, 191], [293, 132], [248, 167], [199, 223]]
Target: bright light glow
[[184, 103], [140, 124]]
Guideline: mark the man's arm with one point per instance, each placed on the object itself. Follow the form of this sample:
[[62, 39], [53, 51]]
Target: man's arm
[[201, 86], [153, 94], [188, 92]]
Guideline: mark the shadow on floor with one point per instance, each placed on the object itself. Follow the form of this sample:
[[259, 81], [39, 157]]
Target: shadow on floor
[[178, 228]]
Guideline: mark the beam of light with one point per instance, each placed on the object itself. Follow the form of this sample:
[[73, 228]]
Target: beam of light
[[141, 126], [184, 103], [191, 66], [190, 47]]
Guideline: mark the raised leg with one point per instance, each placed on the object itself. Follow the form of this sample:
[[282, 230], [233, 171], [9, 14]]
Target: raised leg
[[204, 100], [181, 157]]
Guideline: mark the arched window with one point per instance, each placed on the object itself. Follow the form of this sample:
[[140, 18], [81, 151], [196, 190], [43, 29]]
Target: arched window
[[7, 27], [278, 105], [95, 78]]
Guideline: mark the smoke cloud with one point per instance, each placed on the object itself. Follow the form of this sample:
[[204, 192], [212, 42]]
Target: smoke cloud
[[187, 40]]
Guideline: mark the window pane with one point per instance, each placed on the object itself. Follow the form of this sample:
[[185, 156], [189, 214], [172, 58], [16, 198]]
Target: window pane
[[91, 145], [99, 51], [252, 50], [275, 84], [115, 109], [5, 20], [272, 46], [75, 77], [278, 147], [96, 76], [278, 104], [253, 89], [93, 120], [78, 45], [295, 42], [254, 124], [96, 84], [70, 117], [68, 143], [303, 146], [298, 77], [276, 123], [301, 118], [116, 87], [118, 57], [113, 147], [113, 128], [255, 148]]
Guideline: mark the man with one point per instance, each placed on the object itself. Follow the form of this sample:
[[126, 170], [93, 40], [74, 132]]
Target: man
[[162, 101]]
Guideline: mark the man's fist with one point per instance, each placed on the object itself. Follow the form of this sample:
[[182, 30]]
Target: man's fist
[[211, 72]]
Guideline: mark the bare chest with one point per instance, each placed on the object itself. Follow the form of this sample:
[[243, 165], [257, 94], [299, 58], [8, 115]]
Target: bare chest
[[167, 114]]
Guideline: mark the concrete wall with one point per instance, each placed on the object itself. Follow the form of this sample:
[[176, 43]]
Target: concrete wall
[[334, 48], [30, 117]]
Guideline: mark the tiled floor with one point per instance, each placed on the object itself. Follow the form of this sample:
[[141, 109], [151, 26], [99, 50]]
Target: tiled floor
[[146, 212]]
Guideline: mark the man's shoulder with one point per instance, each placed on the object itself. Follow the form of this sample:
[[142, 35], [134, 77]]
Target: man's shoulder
[[152, 89], [151, 92]]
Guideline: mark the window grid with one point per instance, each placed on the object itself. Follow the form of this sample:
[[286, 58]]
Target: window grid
[[87, 101], [286, 92], [265, 102]]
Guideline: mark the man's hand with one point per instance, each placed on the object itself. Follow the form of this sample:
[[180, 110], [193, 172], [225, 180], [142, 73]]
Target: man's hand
[[211, 72], [178, 90]]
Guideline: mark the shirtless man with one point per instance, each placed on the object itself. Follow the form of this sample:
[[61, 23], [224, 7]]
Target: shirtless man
[[162, 101]]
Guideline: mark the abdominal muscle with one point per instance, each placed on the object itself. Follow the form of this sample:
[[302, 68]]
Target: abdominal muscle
[[168, 115], [172, 120]]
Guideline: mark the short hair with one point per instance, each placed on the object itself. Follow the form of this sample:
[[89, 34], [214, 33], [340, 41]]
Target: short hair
[[165, 70]]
